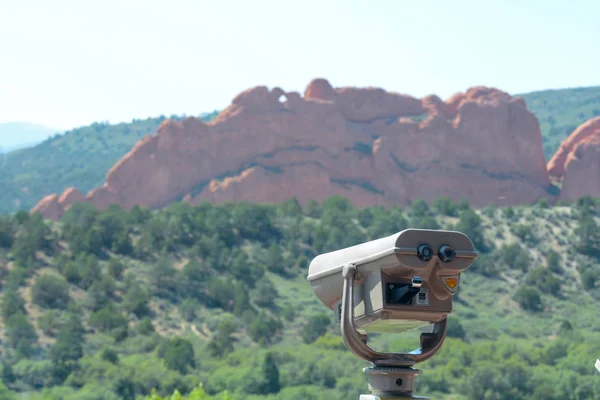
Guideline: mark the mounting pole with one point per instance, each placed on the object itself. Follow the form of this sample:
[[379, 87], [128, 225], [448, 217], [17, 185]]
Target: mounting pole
[[391, 376]]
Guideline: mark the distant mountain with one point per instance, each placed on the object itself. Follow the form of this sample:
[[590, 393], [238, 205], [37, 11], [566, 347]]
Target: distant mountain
[[561, 111], [18, 135]]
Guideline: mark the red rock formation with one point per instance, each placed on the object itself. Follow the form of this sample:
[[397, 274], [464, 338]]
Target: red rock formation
[[320, 89], [49, 207], [70, 196], [577, 162], [372, 146]]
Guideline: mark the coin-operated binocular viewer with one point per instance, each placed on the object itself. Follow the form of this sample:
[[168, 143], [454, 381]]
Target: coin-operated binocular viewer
[[394, 284]]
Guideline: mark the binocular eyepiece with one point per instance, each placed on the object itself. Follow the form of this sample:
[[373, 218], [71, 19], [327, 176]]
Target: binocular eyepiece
[[445, 253]]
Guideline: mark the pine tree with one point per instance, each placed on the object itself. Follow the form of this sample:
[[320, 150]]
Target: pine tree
[[12, 303], [270, 373]]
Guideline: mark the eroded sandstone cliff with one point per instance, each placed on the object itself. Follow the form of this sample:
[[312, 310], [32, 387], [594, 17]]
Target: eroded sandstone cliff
[[372, 146], [576, 164]]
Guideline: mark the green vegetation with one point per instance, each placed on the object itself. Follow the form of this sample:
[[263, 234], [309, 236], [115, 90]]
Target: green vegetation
[[211, 302], [561, 111], [80, 157]]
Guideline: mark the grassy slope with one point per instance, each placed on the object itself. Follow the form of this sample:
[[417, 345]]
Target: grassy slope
[[80, 157], [83, 156], [497, 328]]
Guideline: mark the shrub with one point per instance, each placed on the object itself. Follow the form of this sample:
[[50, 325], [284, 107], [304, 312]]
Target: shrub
[[50, 291], [529, 298], [116, 268], [419, 208], [178, 354], [188, 309], [21, 333], [50, 322], [264, 329], [315, 327], [107, 319], [543, 279], [553, 261], [446, 206], [470, 225], [110, 355], [12, 303], [455, 329], [588, 278]]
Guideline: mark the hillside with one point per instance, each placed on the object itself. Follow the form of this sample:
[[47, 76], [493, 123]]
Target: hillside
[[561, 111], [80, 157], [112, 304]]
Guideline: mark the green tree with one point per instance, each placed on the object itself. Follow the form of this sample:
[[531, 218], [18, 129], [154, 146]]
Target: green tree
[[543, 203], [587, 236], [164, 278], [68, 348], [188, 309], [7, 233], [553, 262], [145, 326], [589, 278], [50, 291], [455, 329], [50, 322], [12, 303], [315, 327], [419, 209], [21, 334], [446, 206], [99, 294], [264, 329], [136, 300], [178, 354], [266, 294], [270, 374], [222, 293], [543, 279], [274, 260], [241, 300], [17, 278], [470, 225], [221, 342], [115, 268], [255, 222], [109, 319], [529, 298], [110, 355]]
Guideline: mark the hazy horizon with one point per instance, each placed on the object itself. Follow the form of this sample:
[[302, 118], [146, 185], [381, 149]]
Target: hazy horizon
[[72, 63]]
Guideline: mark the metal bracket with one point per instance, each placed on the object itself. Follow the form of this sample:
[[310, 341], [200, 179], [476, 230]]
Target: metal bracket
[[357, 343]]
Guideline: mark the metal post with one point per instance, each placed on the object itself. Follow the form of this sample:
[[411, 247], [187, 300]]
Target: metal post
[[391, 376], [391, 383]]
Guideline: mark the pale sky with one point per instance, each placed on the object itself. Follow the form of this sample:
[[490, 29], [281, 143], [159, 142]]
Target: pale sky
[[65, 63]]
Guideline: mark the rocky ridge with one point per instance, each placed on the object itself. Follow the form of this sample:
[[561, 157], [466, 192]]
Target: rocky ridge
[[372, 146], [576, 164]]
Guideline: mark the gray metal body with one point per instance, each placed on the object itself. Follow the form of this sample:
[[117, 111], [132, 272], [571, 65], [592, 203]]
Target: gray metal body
[[393, 260], [356, 283]]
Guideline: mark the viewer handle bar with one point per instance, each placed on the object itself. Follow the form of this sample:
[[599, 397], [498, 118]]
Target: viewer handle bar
[[357, 343]]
